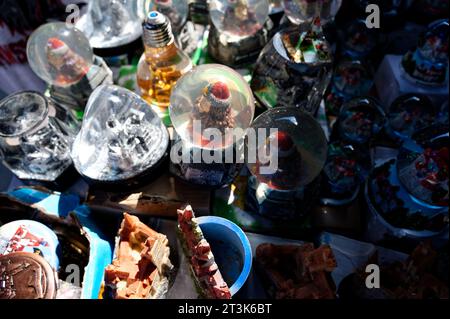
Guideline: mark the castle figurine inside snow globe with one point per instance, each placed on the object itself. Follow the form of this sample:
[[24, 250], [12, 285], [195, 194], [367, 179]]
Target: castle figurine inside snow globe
[[210, 108], [289, 151], [61, 56]]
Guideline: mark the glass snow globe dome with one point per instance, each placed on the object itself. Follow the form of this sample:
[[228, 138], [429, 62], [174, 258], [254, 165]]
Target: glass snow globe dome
[[289, 148], [121, 137], [210, 102], [238, 18], [59, 54], [111, 23], [300, 11]]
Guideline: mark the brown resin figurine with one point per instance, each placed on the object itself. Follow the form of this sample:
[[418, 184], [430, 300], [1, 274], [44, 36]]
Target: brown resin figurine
[[208, 278], [142, 265], [297, 272]]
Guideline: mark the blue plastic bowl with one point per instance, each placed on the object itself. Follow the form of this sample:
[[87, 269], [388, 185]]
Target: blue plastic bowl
[[231, 249]]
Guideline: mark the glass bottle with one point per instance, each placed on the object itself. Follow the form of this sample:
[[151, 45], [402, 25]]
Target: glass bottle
[[162, 63]]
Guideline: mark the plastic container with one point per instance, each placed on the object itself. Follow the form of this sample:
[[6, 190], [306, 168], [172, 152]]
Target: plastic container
[[231, 249]]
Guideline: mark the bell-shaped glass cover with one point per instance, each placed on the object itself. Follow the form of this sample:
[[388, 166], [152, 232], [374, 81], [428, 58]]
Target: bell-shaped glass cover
[[120, 138], [211, 106], [238, 18], [286, 148], [59, 54]]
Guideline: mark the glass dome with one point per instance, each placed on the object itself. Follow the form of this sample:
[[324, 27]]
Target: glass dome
[[342, 170], [293, 69], [120, 138], [59, 54], [35, 136], [299, 11], [360, 119], [358, 41], [428, 63], [422, 165], [111, 23], [176, 10], [350, 79], [20, 113], [209, 97], [411, 112], [239, 18], [292, 143]]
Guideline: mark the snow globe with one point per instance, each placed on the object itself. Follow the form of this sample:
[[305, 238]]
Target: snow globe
[[407, 195], [35, 136], [122, 141], [238, 30], [210, 108], [351, 79], [301, 11], [360, 120], [410, 113], [286, 154], [293, 69], [61, 56], [428, 63]]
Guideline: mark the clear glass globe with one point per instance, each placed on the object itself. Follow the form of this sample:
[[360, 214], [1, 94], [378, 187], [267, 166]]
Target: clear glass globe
[[211, 99], [239, 18], [290, 148], [59, 54], [299, 11]]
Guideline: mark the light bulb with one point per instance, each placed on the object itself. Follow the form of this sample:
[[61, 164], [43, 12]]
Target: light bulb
[[176, 10], [299, 11], [239, 18], [59, 54], [211, 96]]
